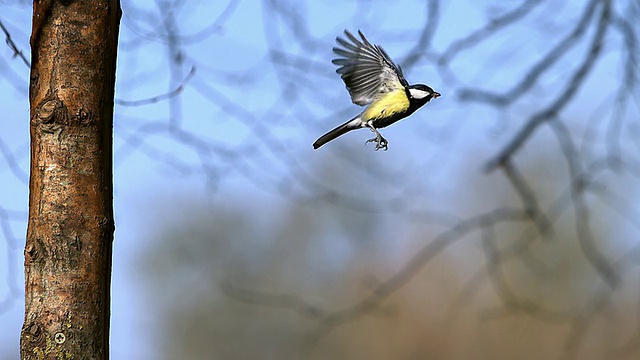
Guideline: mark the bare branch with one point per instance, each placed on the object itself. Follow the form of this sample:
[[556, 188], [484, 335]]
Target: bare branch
[[629, 81], [428, 31], [536, 71], [511, 302], [579, 181], [16, 51], [290, 302], [564, 97], [528, 199], [492, 27], [158, 98]]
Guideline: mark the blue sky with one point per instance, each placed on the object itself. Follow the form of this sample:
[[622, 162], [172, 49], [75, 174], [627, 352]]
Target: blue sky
[[439, 150]]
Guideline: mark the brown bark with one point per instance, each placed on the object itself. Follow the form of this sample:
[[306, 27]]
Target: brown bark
[[70, 230]]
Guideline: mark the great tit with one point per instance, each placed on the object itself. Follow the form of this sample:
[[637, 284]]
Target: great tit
[[373, 79]]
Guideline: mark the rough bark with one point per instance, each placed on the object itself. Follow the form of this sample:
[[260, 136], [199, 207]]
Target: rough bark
[[70, 229]]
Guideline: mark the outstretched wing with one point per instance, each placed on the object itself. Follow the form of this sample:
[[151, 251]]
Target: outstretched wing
[[366, 69]]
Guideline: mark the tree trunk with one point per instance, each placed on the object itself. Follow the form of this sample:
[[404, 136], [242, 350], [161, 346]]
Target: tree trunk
[[70, 230]]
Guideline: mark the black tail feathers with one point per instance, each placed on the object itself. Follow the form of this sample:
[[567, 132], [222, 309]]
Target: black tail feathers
[[339, 131]]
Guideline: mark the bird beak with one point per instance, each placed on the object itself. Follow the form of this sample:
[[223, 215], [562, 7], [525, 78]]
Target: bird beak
[[436, 95]]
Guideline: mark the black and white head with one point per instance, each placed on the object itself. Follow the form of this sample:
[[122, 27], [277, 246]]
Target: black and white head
[[422, 93]]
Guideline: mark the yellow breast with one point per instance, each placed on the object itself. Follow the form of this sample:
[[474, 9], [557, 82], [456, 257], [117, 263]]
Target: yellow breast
[[389, 104]]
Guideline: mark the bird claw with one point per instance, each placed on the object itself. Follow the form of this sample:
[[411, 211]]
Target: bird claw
[[381, 143]]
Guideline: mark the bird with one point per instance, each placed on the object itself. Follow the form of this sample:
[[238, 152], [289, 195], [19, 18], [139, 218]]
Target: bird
[[375, 81]]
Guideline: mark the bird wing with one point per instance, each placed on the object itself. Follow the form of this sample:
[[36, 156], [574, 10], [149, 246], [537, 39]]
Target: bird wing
[[366, 69]]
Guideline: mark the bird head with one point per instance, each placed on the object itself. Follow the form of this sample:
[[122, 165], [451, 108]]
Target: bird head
[[422, 93]]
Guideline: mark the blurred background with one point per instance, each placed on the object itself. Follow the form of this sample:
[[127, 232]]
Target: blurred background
[[502, 223]]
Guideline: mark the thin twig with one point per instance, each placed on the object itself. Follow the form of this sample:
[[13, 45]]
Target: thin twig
[[16, 51], [158, 98]]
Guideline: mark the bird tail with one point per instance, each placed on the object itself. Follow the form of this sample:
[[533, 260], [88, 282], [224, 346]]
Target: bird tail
[[352, 124]]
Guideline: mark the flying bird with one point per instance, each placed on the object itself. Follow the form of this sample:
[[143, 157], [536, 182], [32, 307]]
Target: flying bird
[[375, 81]]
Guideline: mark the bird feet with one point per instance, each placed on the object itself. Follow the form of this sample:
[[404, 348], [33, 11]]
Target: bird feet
[[381, 143]]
